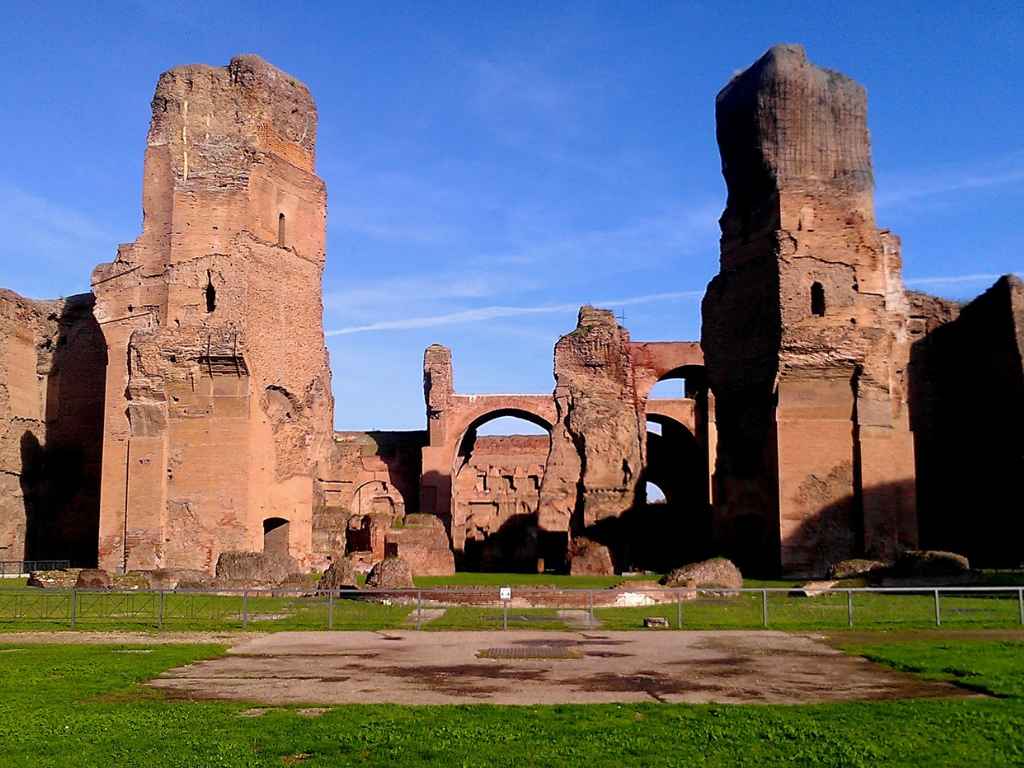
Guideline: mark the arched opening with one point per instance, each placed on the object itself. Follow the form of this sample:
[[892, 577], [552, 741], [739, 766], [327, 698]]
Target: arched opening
[[280, 230], [210, 293], [498, 472], [671, 522], [654, 493], [275, 536], [817, 299]]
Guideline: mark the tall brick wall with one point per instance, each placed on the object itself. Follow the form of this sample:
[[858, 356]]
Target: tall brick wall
[[218, 394], [805, 328]]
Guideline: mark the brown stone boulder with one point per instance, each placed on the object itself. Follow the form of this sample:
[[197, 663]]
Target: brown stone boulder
[[422, 541], [340, 575], [848, 569], [63, 579], [588, 558], [926, 563], [254, 568], [716, 572], [392, 573], [94, 578]]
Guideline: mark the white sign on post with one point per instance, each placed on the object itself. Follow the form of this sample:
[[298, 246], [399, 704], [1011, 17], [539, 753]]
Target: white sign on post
[[505, 593]]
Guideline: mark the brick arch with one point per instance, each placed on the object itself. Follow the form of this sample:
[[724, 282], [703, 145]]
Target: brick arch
[[462, 413]]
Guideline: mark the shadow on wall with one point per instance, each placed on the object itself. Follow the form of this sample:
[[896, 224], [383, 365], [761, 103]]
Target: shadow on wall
[[834, 533], [967, 413], [61, 477]]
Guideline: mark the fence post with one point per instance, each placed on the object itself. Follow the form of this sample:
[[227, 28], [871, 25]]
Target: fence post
[[419, 607], [504, 615], [245, 609], [74, 607], [764, 607], [590, 609], [160, 616], [330, 610], [849, 607], [1020, 603], [679, 610], [938, 613]]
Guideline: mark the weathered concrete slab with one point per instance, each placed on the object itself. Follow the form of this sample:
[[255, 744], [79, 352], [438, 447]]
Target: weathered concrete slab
[[408, 667]]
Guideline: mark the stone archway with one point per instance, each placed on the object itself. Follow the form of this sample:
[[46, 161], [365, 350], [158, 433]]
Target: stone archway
[[496, 494]]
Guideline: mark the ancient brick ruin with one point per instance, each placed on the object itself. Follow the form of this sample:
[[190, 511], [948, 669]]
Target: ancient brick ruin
[[183, 410]]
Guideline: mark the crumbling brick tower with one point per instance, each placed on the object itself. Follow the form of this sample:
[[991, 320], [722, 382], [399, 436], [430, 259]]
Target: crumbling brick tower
[[805, 329], [218, 402]]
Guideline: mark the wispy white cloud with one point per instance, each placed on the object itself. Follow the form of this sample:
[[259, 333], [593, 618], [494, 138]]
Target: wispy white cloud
[[42, 233], [483, 314], [410, 290], [909, 187], [941, 280]]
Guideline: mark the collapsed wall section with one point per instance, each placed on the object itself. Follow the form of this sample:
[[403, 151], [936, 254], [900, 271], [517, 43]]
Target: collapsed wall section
[[597, 443], [805, 329], [52, 366]]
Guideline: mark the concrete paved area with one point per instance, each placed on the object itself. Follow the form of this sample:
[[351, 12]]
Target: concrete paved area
[[522, 667]]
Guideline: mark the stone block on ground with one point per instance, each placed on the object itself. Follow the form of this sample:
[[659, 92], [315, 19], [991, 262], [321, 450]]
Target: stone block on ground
[[341, 574], [925, 563], [390, 573], [423, 543], [716, 572], [94, 578], [255, 568], [588, 558], [60, 579]]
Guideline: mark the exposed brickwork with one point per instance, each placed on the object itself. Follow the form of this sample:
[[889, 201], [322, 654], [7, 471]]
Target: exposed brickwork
[[805, 328], [52, 365], [199, 373], [218, 392]]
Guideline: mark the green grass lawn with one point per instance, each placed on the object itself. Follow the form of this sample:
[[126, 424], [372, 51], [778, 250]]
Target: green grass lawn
[[80, 706], [24, 608]]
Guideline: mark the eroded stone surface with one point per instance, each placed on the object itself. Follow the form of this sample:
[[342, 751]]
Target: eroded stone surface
[[805, 329]]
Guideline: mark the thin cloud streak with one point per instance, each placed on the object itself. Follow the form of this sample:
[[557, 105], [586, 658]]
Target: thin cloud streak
[[955, 279], [1008, 169], [484, 314]]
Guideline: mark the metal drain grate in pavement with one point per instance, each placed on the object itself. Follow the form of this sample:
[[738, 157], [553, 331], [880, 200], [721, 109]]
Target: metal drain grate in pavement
[[531, 652]]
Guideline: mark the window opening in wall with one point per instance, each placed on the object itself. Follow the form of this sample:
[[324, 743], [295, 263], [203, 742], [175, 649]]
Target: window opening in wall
[[817, 300], [280, 229], [210, 292]]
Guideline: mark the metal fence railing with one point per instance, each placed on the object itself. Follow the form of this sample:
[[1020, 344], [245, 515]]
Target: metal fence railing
[[15, 568], [516, 607]]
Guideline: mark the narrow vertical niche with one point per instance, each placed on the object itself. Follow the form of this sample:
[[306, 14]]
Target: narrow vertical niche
[[818, 300], [210, 293], [280, 230]]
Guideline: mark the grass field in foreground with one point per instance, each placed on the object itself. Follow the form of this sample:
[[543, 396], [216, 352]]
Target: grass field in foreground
[[63, 706]]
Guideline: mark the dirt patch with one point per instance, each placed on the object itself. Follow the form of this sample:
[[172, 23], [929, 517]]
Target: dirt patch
[[326, 668]]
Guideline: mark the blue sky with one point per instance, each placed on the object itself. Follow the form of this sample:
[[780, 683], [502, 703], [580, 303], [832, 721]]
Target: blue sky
[[491, 167]]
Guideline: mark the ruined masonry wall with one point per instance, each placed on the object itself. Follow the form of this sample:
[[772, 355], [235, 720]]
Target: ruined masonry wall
[[218, 396]]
